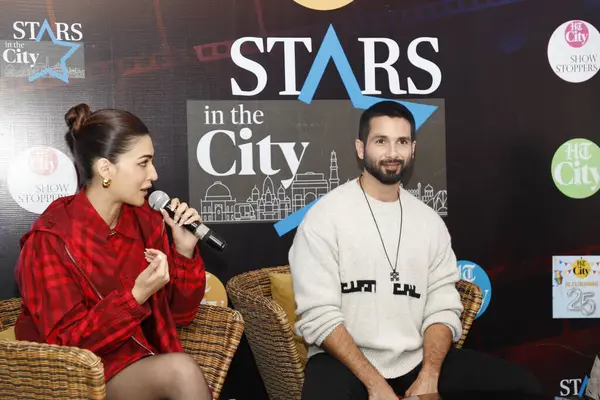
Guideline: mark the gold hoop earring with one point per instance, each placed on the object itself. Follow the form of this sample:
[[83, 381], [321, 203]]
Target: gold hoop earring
[[106, 183]]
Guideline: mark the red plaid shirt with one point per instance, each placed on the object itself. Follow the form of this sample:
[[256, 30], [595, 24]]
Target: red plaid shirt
[[75, 276]]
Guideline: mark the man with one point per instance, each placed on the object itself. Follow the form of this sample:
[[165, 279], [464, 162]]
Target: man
[[374, 279]]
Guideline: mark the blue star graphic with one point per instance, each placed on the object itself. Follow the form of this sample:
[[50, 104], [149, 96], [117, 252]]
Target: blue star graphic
[[64, 73], [331, 49]]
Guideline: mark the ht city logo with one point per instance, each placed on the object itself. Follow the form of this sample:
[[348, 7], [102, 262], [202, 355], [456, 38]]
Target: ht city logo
[[36, 51], [472, 272], [576, 168]]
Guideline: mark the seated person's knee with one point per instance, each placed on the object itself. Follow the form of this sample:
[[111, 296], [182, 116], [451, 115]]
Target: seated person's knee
[[183, 375], [184, 367]]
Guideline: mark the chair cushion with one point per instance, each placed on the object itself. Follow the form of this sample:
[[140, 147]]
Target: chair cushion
[[8, 334], [282, 292]]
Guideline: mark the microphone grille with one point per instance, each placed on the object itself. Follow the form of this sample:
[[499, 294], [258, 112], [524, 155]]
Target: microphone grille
[[158, 200]]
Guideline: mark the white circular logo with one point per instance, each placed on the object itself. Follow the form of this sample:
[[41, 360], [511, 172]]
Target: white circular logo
[[573, 51], [40, 175]]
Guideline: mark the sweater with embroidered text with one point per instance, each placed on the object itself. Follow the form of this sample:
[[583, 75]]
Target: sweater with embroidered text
[[341, 275]]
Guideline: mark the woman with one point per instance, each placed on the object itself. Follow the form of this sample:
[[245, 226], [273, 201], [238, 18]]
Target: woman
[[96, 270]]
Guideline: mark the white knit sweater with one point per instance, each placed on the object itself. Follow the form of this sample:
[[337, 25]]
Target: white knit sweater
[[341, 275]]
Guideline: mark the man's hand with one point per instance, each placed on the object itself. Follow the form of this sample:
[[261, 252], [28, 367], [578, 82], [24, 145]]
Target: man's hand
[[426, 383], [340, 345], [383, 391], [436, 343]]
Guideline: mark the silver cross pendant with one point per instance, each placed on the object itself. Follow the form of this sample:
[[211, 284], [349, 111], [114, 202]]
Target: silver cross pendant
[[394, 276]]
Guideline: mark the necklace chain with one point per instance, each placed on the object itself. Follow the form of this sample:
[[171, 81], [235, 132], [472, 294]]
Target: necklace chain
[[394, 275]]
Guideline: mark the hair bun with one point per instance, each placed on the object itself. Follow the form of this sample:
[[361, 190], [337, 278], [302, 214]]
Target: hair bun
[[76, 117]]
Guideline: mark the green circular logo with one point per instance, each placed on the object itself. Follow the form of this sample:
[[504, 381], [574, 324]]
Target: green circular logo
[[576, 168]]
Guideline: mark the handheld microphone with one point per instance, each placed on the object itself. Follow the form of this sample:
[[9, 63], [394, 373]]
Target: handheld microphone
[[160, 200]]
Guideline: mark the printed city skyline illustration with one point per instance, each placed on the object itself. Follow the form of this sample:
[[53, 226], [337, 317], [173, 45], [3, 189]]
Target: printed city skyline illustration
[[271, 169], [268, 203]]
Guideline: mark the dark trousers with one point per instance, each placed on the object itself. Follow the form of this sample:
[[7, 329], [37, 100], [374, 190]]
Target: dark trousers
[[462, 371]]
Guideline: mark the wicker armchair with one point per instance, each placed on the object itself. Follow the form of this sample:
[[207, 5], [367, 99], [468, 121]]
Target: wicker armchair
[[270, 334], [40, 371]]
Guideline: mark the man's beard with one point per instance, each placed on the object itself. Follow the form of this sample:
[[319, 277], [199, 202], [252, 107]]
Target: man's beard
[[383, 175]]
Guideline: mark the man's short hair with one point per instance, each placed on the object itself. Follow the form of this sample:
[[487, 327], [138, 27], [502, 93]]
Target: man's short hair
[[385, 108]]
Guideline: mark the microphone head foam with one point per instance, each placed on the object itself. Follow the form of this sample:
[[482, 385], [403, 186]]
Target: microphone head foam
[[158, 200]]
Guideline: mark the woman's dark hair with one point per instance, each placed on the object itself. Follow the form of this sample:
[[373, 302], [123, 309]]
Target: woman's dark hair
[[105, 133]]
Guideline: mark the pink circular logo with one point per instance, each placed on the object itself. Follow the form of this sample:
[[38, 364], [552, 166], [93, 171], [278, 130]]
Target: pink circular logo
[[577, 34], [43, 162]]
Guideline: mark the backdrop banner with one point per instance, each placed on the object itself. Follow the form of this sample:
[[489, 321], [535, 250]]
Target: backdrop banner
[[254, 109]]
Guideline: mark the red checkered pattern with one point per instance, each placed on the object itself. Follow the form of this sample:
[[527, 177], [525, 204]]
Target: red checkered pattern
[[75, 276]]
